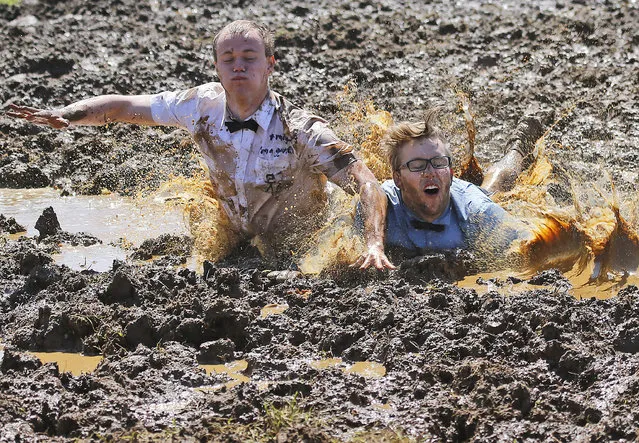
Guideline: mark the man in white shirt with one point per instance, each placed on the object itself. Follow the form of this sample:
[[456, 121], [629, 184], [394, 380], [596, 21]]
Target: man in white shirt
[[268, 159]]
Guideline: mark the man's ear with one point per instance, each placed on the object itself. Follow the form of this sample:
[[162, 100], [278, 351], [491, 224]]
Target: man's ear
[[397, 178], [271, 64]]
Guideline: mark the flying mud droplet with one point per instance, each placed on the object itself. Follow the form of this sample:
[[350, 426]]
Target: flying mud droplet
[[469, 168], [210, 227], [362, 125], [556, 243]]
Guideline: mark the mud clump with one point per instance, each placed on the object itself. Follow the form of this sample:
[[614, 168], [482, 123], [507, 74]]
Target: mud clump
[[48, 224], [165, 244], [51, 232], [10, 225]]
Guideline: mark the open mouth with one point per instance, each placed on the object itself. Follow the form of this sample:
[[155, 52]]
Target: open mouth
[[431, 189]]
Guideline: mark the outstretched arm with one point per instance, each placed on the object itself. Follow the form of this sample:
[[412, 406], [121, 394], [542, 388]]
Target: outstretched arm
[[373, 202], [94, 111]]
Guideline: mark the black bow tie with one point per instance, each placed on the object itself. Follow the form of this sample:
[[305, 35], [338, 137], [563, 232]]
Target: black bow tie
[[235, 125], [418, 224]]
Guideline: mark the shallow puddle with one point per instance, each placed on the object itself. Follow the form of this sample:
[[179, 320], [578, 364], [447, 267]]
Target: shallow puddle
[[368, 369], [326, 363], [382, 406], [232, 369], [76, 364], [107, 217], [273, 309], [582, 288]]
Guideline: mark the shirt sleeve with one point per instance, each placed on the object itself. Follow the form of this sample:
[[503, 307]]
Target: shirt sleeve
[[323, 150], [180, 108]]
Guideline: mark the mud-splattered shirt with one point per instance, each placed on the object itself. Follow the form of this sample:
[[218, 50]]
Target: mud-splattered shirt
[[265, 179], [472, 220]]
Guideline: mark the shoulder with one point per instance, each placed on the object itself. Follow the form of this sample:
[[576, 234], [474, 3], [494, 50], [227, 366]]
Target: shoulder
[[208, 90], [470, 200], [295, 116], [468, 191]]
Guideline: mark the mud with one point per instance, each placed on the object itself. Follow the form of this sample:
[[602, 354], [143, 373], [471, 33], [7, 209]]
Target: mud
[[535, 365]]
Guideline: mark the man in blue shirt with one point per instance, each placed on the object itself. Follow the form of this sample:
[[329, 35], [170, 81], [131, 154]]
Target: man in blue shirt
[[429, 209]]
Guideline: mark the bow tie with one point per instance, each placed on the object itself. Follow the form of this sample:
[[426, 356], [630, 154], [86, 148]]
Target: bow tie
[[418, 224], [236, 125]]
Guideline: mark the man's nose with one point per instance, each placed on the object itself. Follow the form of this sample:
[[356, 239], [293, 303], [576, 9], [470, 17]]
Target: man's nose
[[429, 169], [239, 67]]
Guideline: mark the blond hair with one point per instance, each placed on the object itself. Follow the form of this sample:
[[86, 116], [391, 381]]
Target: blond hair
[[405, 131], [243, 27]]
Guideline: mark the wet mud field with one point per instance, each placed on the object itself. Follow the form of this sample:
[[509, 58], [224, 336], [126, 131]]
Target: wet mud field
[[227, 352]]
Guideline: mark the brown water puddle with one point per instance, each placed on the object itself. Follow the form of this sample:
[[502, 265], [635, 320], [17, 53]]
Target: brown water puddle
[[273, 309], [108, 217], [232, 369], [76, 364], [368, 369], [583, 286]]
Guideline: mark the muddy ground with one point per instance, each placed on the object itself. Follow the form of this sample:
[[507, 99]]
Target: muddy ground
[[535, 365]]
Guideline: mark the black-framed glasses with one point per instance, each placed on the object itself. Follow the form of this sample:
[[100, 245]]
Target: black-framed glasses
[[420, 164]]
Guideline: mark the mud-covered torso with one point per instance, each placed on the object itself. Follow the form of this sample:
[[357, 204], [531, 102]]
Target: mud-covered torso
[[268, 179]]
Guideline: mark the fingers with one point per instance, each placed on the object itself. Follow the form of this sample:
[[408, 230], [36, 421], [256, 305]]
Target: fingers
[[25, 109], [377, 260], [38, 116], [387, 263], [358, 263]]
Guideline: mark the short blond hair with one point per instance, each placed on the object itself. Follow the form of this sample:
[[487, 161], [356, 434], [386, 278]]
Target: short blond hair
[[405, 131], [243, 27]]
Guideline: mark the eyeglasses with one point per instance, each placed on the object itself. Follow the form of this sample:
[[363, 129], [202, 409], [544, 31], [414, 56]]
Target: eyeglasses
[[420, 164]]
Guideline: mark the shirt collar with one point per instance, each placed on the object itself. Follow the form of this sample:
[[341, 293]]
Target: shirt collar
[[263, 114]]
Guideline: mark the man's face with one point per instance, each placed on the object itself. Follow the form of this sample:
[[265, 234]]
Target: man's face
[[427, 192], [242, 65]]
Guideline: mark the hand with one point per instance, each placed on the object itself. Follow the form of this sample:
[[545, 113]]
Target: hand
[[376, 257], [51, 118]]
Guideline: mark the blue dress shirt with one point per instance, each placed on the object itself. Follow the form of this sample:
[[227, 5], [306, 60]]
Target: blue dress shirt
[[471, 218]]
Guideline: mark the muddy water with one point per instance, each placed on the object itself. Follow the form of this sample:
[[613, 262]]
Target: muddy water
[[582, 285], [76, 364], [119, 220], [232, 369], [273, 309], [115, 220], [368, 369]]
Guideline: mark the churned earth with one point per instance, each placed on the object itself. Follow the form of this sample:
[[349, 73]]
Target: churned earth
[[406, 355]]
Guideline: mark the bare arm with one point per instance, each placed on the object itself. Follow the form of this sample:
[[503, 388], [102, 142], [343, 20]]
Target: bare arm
[[94, 111], [373, 202]]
